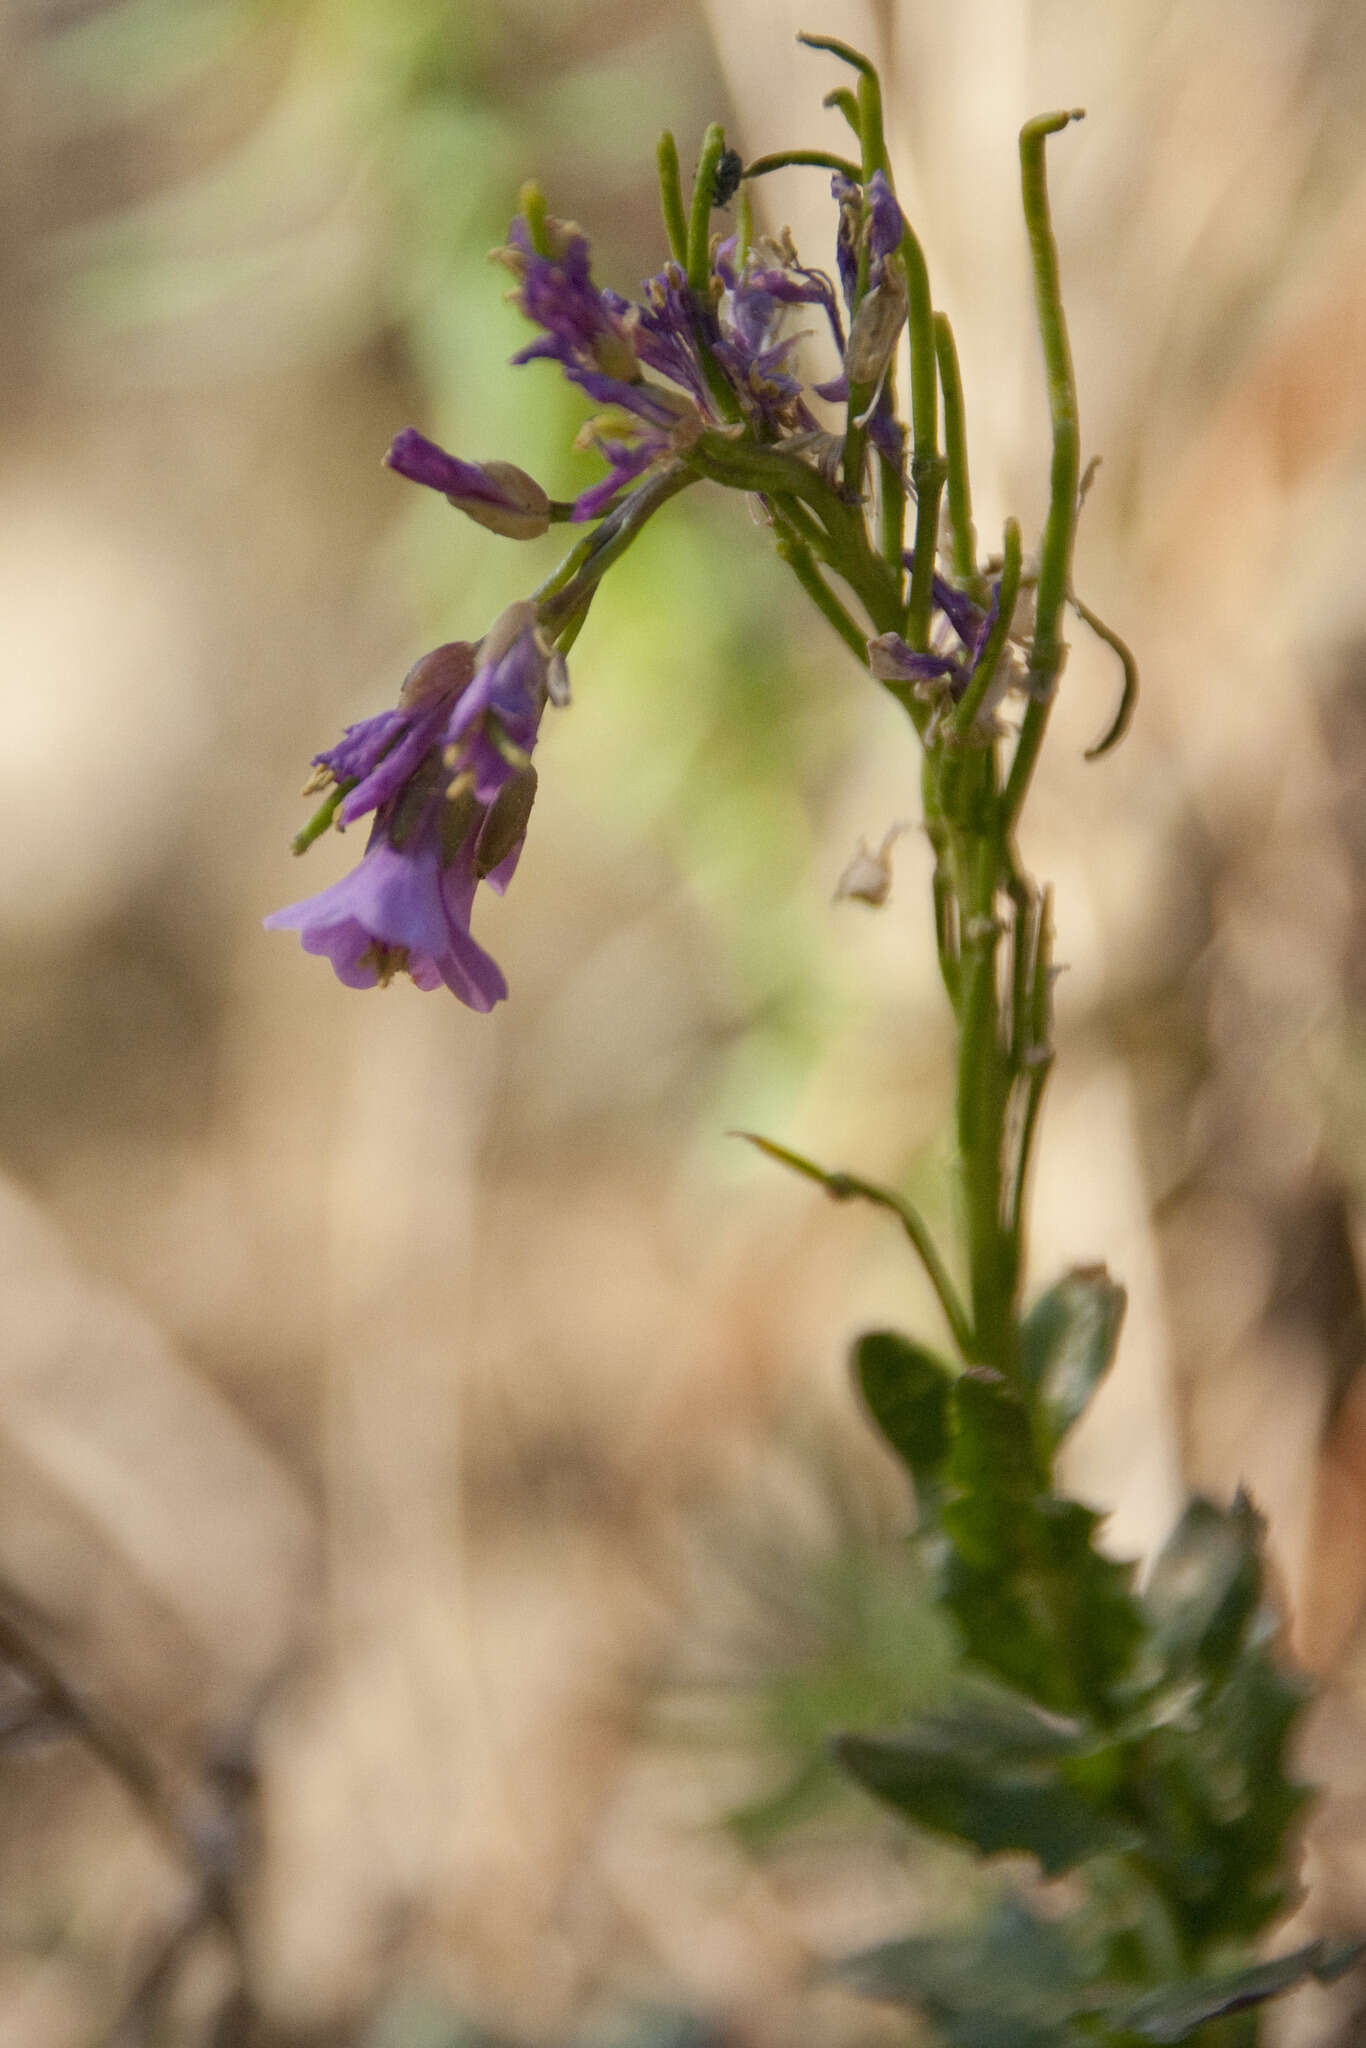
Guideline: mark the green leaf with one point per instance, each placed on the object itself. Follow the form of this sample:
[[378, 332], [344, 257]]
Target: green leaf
[[1209, 1780], [1037, 1603], [993, 1463], [907, 1389], [1011, 1983], [1206, 1585], [996, 1772], [1068, 1342], [1209, 1785], [1177, 2010]]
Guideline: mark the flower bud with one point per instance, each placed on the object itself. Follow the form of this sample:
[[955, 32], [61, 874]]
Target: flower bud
[[497, 495], [444, 672]]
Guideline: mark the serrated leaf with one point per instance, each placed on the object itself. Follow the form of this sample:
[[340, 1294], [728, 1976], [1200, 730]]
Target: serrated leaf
[[1011, 1983], [993, 1771], [1217, 1805], [906, 1389], [1176, 2011], [1210, 1778], [1206, 1585], [993, 1461], [1037, 1603], [1068, 1342]]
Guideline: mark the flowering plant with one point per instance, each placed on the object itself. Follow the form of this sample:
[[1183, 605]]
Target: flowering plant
[[1132, 1740]]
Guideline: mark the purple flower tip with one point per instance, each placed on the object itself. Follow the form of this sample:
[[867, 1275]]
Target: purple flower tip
[[423, 462], [494, 494]]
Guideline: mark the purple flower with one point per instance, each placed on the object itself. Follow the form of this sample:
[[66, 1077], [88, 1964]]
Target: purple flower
[[868, 214], [403, 910], [885, 223], [938, 674], [587, 331], [626, 461], [891, 660], [449, 778], [494, 494]]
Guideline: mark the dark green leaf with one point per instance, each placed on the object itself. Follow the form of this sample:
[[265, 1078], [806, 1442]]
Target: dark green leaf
[[1011, 1983], [1177, 2010], [906, 1389], [1206, 1585], [1210, 1786], [1068, 1342], [998, 1773], [1209, 1777], [1037, 1603]]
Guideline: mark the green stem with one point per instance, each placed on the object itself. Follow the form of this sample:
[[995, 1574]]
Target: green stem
[[818, 159], [848, 1187], [800, 561], [671, 198], [981, 1083], [744, 229], [562, 595], [321, 819], [699, 219], [927, 468], [1119, 725], [892, 509], [965, 713], [1036, 1062], [531, 206], [744, 465], [845, 102], [1055, 559], [956, 452], [946, 933], [844, 51], [870, 122]]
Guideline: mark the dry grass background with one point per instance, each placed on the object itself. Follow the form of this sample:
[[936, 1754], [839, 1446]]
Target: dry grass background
[[396, 1405]]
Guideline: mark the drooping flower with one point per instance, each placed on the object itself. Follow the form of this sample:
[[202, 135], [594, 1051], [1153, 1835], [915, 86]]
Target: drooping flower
[[448, 776]]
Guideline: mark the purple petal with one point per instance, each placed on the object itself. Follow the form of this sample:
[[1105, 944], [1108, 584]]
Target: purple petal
[[962, 614], [885, 225], [891, 660], [412, 455], [399, 899]]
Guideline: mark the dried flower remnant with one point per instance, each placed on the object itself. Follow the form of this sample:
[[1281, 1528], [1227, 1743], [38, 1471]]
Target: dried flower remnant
[[868, 877]]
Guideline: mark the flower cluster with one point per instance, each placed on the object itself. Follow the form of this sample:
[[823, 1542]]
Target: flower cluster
[[449, 778], [679, 377], [722, 350]]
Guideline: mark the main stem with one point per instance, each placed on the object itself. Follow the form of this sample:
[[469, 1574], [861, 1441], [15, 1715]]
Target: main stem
[[974, 867]]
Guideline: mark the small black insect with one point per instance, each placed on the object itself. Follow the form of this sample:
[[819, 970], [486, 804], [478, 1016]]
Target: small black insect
[[725, 181]]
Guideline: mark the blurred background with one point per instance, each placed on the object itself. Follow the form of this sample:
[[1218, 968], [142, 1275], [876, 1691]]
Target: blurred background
[[435, 1529]]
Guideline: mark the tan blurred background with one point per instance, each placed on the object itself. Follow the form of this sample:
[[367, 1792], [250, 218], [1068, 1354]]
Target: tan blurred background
[[430, 1498]]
